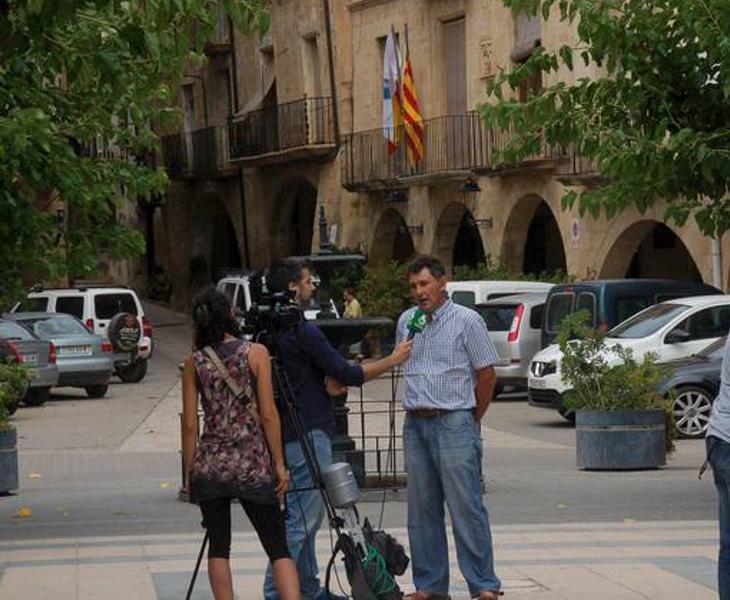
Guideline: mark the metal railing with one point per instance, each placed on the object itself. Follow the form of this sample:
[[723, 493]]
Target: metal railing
[[451, 143], [298, 124], [200, 153]]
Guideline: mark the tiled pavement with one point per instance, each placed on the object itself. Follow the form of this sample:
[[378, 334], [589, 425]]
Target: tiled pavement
[[617, 561]]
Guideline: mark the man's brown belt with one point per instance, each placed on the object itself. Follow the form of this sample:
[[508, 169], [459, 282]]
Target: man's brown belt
[[427, 413]]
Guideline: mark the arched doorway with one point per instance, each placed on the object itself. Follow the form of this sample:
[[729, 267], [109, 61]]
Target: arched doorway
[[294, 213], [457, 238], [650, 249], [392, 240], [532, 241], [215, 244]]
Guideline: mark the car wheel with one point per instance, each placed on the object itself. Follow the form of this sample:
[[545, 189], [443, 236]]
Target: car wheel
[[692, 408], [13, 406], [568, 415], [124, 332], [96, 391], [134, 372], [37, 396]]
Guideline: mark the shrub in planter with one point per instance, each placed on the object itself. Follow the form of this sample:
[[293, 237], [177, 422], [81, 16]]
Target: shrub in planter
[[622, 421], [14, 379]]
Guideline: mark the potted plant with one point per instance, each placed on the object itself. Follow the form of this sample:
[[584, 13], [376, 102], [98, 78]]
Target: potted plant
[[622, 421], [14, 380]]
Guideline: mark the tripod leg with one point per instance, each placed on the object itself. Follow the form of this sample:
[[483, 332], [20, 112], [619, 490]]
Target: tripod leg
[[197, 566]]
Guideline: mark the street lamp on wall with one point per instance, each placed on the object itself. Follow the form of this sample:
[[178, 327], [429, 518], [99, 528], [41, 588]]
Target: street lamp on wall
[[470, 191]]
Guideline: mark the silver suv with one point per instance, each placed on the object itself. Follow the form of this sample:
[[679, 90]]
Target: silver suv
[[114, 312]]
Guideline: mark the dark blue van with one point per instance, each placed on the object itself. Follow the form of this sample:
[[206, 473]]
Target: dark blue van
[[611, 301]]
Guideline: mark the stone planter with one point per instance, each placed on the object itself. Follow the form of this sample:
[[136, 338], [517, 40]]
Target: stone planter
[[8, 460], [620, 440]]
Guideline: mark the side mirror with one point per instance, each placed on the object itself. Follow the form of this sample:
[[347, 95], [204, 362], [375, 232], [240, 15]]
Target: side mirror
[[677, 336]]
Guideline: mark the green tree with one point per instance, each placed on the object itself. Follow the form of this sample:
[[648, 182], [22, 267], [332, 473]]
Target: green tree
[[657, 121], [77, 75], [383, 291]]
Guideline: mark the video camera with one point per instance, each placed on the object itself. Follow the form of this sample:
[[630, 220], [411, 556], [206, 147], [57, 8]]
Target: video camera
[[269, 312]]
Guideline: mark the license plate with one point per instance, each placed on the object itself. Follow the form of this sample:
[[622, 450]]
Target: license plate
[[539, 384], [30, 359], [74, 350]]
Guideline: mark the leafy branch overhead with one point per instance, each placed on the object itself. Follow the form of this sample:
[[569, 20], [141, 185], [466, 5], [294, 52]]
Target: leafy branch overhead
[[82, 83], [644, 90]]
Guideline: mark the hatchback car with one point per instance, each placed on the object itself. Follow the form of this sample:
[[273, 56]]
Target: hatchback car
[[112, 312], [36, 354], [514, 324], [672, 330], [84, 359]]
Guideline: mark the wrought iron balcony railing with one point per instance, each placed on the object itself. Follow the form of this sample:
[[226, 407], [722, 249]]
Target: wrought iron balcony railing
[[200, 153], [452, 144], [284, 132]]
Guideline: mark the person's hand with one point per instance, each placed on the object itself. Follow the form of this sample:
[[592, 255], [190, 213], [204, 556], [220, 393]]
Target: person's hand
[[282, 480], [402, 352], [334, 387]]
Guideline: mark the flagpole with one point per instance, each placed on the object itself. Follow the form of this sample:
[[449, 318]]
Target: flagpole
[[398, 86]]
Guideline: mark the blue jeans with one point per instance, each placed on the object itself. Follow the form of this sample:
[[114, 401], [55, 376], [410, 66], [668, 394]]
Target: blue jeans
[[304, 515], [718, 452], [443, 459]]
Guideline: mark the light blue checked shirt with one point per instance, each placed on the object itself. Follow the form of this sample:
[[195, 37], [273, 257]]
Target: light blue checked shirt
[[441, 372]]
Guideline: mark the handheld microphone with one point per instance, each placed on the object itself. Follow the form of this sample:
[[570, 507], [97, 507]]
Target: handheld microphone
[[416, 324]]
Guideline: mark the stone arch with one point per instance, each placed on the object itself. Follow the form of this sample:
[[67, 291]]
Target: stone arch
[[649, 249], [215, 241], [391, 240], [532, 241], [294, 210], [458, 241]]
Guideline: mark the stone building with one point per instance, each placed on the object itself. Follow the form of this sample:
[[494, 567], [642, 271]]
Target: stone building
[[280, 128]]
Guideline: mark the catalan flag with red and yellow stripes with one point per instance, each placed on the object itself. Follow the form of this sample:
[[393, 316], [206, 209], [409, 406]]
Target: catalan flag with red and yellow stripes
[[412, 120]]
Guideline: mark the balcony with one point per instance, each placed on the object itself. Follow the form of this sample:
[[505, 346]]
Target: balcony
[[578, 170], [297, 131], [455, 146], [203, 153]]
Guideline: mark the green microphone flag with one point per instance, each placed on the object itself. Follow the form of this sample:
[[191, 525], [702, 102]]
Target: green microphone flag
[[416, 324]]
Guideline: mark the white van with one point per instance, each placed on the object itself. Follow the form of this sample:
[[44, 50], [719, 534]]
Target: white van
[[470, 293]]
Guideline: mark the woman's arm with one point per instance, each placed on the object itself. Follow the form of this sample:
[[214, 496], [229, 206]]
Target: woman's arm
[[190, 415], [258, 358]]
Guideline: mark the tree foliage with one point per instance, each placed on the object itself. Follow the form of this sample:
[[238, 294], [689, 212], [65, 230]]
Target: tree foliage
[[78, 78], [657, 119]]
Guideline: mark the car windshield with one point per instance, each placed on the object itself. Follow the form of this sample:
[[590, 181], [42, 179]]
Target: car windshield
[[32, 304], [714, 350], [498, 317], [13, 331], [56, 326], [648, 321], [463, 297]]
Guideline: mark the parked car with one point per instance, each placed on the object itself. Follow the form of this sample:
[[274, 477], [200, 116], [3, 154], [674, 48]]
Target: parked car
[[115, 313], [84, 359], [672, 330], [612, 301], [38, 355], [514, 324], [471, 293], [695, 383]]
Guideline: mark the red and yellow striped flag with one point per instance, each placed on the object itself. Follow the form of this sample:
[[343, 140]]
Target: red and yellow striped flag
[[412, 120]]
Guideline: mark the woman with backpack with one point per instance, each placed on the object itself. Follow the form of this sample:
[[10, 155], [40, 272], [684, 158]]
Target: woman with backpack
[[239, 454]]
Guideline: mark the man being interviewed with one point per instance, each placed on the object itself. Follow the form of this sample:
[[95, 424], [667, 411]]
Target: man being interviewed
[[449, 381]]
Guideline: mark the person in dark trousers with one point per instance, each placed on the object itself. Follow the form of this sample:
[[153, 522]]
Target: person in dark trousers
[[239, 454], [449, 382], [717, 441], [313, 368]]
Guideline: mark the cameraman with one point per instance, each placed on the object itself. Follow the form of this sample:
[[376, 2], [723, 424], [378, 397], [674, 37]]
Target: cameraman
[[313, 367]]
